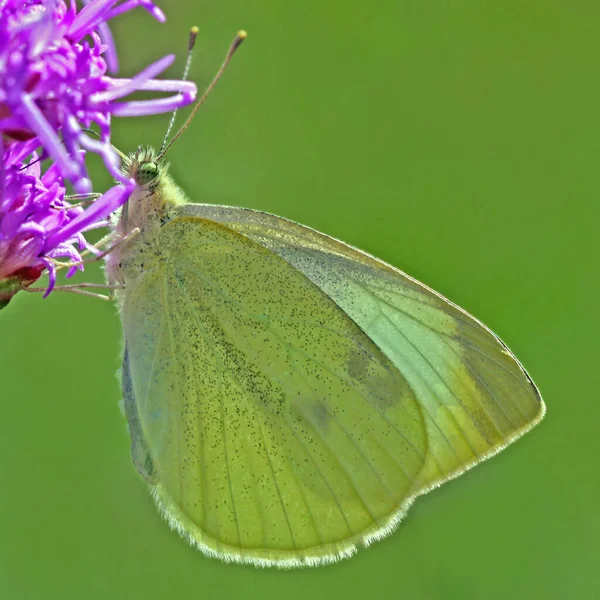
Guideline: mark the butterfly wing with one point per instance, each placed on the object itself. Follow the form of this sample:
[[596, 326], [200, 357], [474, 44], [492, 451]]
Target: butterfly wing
[[294, 394]]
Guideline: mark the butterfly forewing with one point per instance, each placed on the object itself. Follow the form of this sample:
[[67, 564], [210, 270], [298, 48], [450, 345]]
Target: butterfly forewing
[[475, 395]]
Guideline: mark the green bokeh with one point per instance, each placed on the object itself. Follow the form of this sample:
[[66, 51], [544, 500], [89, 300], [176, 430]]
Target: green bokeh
[[457, 140]]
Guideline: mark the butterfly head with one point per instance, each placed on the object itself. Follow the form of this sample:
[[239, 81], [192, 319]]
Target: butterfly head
[[144, 167]]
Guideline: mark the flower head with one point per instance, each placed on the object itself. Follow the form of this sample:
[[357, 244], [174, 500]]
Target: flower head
[[37, 223], [54, 85]]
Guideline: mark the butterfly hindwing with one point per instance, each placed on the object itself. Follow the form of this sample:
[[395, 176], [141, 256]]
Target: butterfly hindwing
[[296, 394]]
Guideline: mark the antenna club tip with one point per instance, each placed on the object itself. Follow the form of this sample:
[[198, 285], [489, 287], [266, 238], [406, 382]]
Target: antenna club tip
[[193, 35], [239, 38]]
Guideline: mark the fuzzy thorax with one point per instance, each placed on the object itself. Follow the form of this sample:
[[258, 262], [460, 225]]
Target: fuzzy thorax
[[151, 204]]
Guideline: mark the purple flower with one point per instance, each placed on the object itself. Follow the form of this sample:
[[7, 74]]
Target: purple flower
[[54, 80], [37, 223], [54, 84]]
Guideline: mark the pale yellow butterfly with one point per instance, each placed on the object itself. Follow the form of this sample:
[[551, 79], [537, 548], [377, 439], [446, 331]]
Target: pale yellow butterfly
[[289, 396]]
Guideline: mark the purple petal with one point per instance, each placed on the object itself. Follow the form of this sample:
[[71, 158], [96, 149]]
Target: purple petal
[[134, 84], [149, 6], [111, 158], [107, 38], [142, 108], [83, 243], [100, 209], [67, 250], [137, 108], [38, 123], [89, 16], [1, 171], [32, 228], [51, 276], [21, 150], [12, 122], [187, 88], [111, 52]]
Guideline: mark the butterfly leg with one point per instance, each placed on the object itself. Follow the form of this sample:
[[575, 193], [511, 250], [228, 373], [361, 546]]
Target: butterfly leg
[[124, 240], [79, 288], [83, 199]]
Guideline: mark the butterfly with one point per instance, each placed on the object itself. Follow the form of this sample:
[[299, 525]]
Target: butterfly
[[289, 396]]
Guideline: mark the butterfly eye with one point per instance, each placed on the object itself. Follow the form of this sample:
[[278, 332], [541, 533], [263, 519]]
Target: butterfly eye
[[146, 172]]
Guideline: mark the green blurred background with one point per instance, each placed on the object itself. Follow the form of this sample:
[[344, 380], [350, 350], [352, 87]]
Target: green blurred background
[[456, 139]]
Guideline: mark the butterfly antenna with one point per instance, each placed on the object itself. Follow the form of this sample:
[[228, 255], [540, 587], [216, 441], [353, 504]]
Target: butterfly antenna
[[239, 38], [186, 70]]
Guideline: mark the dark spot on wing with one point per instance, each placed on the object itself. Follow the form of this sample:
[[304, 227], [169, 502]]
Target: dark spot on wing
[[321, 416], [382, 381], [357, 363]]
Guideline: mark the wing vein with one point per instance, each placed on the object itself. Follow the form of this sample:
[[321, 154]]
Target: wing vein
[[458, 427], [445, 337], [196, 274], [353, 442], [192, 309], [333, 373], [165, 295], [208, 281], [153, 366], [463, 320], [299, 486]]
